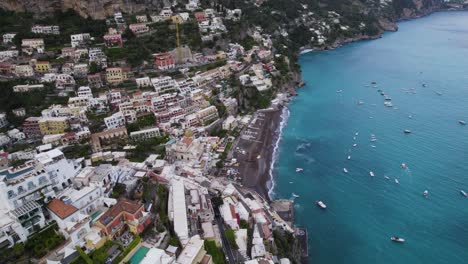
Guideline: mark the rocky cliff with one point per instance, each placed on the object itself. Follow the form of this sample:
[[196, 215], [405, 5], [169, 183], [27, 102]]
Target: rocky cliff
[[97, 9]]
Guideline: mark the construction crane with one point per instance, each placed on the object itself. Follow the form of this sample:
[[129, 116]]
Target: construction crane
[[178, 20]]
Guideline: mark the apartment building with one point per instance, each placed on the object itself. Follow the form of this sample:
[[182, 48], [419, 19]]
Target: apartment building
[[145, 134], [53, 125]]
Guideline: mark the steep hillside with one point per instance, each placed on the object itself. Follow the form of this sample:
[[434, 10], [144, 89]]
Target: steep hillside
[[97, 9]]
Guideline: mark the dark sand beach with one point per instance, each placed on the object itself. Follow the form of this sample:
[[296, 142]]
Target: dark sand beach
[[257, 141]]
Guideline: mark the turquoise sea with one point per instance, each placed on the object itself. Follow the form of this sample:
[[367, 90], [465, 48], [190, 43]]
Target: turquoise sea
[[424, 69]]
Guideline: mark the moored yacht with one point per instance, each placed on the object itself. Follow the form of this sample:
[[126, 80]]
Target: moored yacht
[[397, 239], [463, 193], [461, 122], [426, 193], [345, 170], [321, 204], [407, 131], [299, 169], [371, 173]]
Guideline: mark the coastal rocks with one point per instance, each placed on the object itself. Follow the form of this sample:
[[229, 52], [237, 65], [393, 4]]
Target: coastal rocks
[[96, 9], [387, 25]]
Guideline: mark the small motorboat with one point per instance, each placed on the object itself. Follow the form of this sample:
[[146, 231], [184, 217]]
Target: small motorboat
[[360, 102], [397, 239], [373, 139], [291, 182], [426, 193], [387, 178], [373, 146], [407, 131], [410, 117], [438, 93], [388, 104], [461, 122], [299, 169], [345, 170], [339, 91], [349, 157], [371, 173], [396, 181], [463, 193], [424, 85], [357, 133], [295, 195], [321, 204], [354, 145], [354, 138], [403, 165]]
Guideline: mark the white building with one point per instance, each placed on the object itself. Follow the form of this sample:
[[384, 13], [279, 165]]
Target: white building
[[73, 224], [85, 91], [143, 82], [48, 30], [79, 39], [164, 85], [22, 187], [178, 210], [115, 120], [145, 134], [193, 252], [8, 38]]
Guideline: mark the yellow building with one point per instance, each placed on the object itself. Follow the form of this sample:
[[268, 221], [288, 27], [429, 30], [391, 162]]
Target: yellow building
[[115, 75], [53, 125], [42, 66]]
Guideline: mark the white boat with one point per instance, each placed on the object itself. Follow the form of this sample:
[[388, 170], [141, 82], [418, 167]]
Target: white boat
[[397, 239], [373, 146], [339, 91], [349, 157], [373, 139], [403, 165], [371, 173], [388, 104], [299, 169], [410, 116], [396, 181], [321, 204], [407, 131], [386, 177], [354, 138], [463, 193], [345, 170], [357, 133], [291, 182], [426, 193], [438, 93], [360, 103], [354, 145], [461, 122], [295, 195]]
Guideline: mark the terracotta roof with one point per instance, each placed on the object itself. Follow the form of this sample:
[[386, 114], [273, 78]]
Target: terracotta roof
[[187, 140], [123, 205], [61, 209]]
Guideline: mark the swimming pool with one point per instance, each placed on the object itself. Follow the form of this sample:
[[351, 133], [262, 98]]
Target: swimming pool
[[139, 255]]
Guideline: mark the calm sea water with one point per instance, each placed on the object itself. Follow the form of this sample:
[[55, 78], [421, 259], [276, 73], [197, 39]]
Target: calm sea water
[[363, 211]]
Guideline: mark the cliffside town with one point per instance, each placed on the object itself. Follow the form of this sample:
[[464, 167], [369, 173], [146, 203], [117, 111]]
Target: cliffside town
[[141, 131]]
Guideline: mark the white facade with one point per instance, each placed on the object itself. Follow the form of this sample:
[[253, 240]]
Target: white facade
[[48, 30], [145, 134], [79, 39], [164, 84], [114, 121], [8, 37], [85, 91]]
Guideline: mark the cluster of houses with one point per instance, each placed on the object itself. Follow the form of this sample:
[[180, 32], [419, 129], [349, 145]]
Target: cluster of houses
[[47, 187]]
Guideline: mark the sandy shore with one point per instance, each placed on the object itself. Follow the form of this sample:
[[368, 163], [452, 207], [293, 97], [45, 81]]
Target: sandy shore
[[255, 153]]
